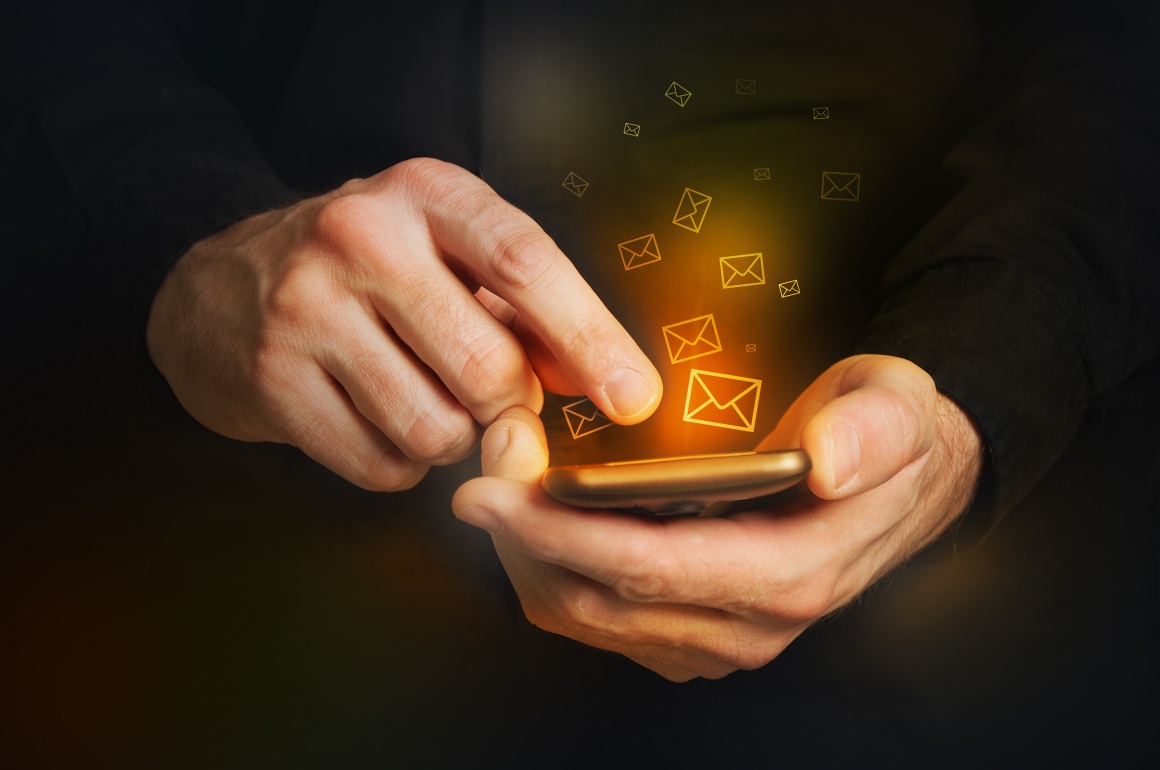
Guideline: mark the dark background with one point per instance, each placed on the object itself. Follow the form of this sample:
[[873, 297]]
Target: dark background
[[170, 598]]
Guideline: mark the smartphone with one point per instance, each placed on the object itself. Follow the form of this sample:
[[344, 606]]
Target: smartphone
[[700, 484]]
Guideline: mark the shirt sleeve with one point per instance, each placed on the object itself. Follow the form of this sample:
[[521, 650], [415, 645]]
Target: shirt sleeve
[[143, 155], [1033, 290]]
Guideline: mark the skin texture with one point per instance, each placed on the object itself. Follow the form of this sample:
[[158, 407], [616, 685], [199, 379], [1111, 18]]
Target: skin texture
[[376, 327], [895, 463]]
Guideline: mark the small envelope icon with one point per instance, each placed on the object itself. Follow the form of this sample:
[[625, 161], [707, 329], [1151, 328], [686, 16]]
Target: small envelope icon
[[746, 86], [691, 210], [761, 175], [821, 113], [678, 93], [789, 288], [841, 185], [584, 418], [639, 252], [742, 270], [691, 339], [751, 347], [722, 400], [574, 184], [632, 129]]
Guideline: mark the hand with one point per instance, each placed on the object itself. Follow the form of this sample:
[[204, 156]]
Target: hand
[[374, 326], [895, 463]]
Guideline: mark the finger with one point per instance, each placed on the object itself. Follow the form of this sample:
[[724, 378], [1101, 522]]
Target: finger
[[745, 567], [861, 421], [508, 253], [398, 394], [544, 362], [381, 251], [884, 419], [478, 358], [515, 447], [677, 642], [321, 420]]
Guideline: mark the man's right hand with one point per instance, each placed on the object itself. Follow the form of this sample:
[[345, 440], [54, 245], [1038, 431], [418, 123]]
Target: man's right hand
[[375, 327]]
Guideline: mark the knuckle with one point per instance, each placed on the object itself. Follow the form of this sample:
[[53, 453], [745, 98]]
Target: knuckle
[[521, 256], [569, 610], [439, 436], [652, 576], [585, 333], [753, 657], [419, 178], [805, 603], [492, 371], [389, 472], [341, 221]]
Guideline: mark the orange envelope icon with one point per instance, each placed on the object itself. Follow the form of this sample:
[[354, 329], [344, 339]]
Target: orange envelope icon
[[789, 288], [575, 184], [742, 270], [639, 252], [840, 185], [584, 418], [722, 400], [632, 129], [691, 339], [746, 86], [761, 174], [821, 113], [678, 93], [691, 210]]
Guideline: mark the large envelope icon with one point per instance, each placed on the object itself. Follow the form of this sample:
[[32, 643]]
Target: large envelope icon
[[632, 129], [691, 210], [742, 270], [789, 288], [639, 251], [691, 339], [678, 93], [746, 86], [761, 174], [840, 185], [584, 418], [575, 184], [821, 113], [722, 400]]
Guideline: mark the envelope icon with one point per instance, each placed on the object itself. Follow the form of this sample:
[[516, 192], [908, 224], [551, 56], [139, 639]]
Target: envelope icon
[[841, 185], [691, 210], [751, 347], [639, 252], [742, 270], [761, 175], [722, 400], [746, 86], [584, 418], [574, 184], [821, 113], [691, 339], [789, 288], [632, 129], [678, 93]]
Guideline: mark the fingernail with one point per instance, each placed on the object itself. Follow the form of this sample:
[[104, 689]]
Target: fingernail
[[495, 442], [478, 516], [845, 452], [629, 391]]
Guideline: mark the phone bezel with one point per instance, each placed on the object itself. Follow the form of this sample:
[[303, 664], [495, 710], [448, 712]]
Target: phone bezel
[[688, 484]]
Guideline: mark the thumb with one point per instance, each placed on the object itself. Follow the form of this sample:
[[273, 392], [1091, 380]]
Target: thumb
[[881, 418], [515, 447]]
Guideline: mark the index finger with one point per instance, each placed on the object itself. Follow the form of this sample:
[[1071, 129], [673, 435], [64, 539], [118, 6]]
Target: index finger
[[509, 254], [735, 565]]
